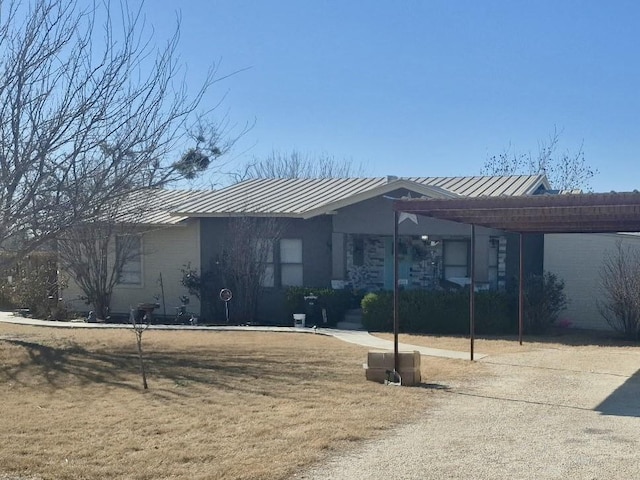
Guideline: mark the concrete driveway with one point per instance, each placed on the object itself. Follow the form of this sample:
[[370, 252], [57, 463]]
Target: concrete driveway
[[553, 413]]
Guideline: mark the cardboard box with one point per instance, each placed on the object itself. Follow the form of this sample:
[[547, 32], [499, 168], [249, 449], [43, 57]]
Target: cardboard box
[[377, 359], [380, 363]]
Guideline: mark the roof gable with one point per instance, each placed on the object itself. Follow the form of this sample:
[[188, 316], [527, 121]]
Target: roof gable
[[423, 190]]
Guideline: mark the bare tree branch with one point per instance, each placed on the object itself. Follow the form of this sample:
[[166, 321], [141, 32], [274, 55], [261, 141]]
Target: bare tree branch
[[298, 165], [247, 251], [86, 118], [564, 170], [96, 252], [620, 281]]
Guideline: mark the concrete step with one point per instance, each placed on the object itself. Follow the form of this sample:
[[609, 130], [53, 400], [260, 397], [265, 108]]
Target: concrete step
[[349, 325], [352, 320], [353, 316]]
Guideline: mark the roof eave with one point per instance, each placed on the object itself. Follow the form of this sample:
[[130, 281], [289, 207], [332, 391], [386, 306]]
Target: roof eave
[[236, 214]]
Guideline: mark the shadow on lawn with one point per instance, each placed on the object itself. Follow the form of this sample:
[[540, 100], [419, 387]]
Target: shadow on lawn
[[56, 364], [60, 366]]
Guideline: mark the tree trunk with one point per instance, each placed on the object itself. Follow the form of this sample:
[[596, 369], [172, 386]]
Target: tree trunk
[[143, 371]]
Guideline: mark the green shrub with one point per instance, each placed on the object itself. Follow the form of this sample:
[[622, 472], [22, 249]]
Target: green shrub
[[437, 312], [377, 311], [544, 299], [493, 313], [335, 302]]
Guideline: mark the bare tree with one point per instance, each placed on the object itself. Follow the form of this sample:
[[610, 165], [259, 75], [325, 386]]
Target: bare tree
[[620, 280], [140, 325], [96, 252], [564, 170], [32, 283], [247, 256], [88, 115], [245, 265], [298, 165]]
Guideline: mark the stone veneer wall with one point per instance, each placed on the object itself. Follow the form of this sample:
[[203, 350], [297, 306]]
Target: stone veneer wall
[[370, 276], [425, 270], [426, 266], [502, 263]]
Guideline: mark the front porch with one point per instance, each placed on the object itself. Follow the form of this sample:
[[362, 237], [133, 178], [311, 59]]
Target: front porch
[[425, 262]]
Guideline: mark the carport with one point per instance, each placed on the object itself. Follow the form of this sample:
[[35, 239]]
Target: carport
[[545, 213]]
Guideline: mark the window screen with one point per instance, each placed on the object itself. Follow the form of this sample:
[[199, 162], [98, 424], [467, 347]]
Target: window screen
[[128, 251], [291, 262]]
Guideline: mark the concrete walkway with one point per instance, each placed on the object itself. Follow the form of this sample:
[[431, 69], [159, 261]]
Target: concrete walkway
[[357, 337]]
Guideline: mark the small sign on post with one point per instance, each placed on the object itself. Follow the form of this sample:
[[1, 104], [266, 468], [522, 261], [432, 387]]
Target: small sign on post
[[226, 296]]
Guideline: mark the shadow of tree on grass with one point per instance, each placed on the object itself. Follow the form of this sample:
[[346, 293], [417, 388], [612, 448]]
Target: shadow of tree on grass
[[60, 366]]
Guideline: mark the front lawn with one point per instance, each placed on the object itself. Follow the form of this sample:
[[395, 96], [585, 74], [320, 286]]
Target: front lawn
[[241, 405]]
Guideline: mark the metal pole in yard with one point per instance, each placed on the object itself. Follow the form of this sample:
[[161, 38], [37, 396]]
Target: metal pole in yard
[[396, 295], [472, 290], [521, 291]]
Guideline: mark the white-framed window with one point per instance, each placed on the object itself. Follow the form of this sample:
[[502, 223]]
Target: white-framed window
[[264, 257], [455, 259], [129, 252], [291, 271]]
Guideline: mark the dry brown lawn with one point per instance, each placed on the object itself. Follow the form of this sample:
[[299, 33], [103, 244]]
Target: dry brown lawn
[[509, 344], [241, 405]]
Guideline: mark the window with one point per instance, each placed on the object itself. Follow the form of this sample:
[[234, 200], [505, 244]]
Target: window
[[291, 262], [456, 259], [264, 256], [129, 257]]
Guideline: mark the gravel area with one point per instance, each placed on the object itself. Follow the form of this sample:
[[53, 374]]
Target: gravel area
[[568, 413]]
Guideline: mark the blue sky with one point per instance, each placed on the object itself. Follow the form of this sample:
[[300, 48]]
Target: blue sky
[[422, 87]]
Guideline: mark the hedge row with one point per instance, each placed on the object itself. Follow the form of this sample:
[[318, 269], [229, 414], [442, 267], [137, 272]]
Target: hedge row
[[438, 312]]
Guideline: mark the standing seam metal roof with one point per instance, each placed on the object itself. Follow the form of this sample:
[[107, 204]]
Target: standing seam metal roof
[[295, 197], [155, 207]]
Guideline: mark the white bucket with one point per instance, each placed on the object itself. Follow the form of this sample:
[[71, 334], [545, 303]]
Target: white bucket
[[298, 319]]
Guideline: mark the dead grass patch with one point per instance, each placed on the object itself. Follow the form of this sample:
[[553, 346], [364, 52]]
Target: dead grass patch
[[241, 405], [495, 345]]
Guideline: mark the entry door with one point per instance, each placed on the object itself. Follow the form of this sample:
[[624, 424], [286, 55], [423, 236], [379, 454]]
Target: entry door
[[404, 264]]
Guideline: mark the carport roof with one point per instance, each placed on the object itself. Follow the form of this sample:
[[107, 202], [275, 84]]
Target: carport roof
[[565, 213]]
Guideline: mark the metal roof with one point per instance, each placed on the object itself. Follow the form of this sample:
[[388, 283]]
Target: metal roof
[[491, 186], [155, 207], [305, 198], [571, 213]]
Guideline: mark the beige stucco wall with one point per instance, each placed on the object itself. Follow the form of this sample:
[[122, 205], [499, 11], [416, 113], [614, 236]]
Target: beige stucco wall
[[577, 259], [165, 250]]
